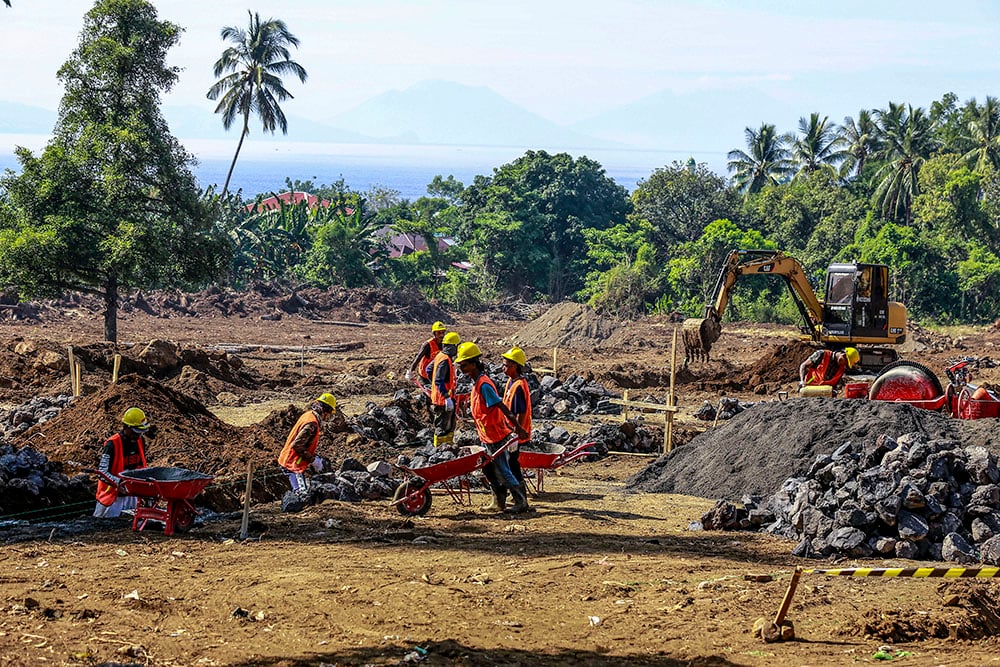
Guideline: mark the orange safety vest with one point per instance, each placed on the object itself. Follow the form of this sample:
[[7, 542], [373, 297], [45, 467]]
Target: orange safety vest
[[289, 459], [490, 422], [425, 362], [437, 398], [107, 494], [816, 376], [508, 400]]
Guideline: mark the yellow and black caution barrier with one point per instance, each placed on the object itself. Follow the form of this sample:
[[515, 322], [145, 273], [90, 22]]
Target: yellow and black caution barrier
[[772, 631]]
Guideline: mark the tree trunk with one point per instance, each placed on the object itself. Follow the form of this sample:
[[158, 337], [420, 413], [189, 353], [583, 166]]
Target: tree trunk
[[243, 135], [111, 309]]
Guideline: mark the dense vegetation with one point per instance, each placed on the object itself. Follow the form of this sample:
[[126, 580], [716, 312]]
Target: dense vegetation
[[111, 203]]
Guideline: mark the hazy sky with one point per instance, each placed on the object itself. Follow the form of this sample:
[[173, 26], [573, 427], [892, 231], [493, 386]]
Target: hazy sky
[[563, 59]]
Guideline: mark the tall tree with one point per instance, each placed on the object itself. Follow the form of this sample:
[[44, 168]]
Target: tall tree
[[255, 63], [861, 139], [767, 162], [818, 147], [907, 137], [111, 202], [983, 131]]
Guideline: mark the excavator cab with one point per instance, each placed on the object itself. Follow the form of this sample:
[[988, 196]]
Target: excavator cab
[[857, 301]]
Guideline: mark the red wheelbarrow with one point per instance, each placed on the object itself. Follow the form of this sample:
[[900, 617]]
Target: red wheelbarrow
[[550, 457], [413, 497], [162, 494]]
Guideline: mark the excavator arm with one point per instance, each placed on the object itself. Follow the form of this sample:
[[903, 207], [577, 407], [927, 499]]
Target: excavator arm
[[768, 262], [700, 334]]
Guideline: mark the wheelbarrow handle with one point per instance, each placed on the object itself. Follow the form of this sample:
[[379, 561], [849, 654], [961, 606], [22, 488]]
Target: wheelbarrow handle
[[105, 477]]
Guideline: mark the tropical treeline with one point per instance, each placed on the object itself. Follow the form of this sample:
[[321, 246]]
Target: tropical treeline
[[111, 203]]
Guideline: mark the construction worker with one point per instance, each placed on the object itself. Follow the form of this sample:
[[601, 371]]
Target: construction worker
[[125, 450], [443, 383], [826, 367], [299, 452], [426, 354], [517, 398], [495, 425]]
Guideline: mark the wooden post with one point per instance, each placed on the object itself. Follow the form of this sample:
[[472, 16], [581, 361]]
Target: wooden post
[[115, 369], [78, 387], [72, 371], [246, 502], [555, 372], [668, 417], [625, 407], [779, 618]]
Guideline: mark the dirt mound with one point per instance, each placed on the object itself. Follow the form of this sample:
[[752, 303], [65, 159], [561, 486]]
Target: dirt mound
[[566, 324], [778, 366], [756, 451]]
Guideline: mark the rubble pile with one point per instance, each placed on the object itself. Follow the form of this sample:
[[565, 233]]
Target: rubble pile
[[38, 410], [397, 423], [913, 497], [352, 483], [569, 399], [727, 409], [30, 483]]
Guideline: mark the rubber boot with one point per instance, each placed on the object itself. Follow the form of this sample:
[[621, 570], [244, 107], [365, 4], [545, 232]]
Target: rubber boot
[[497, 503], [520, 500]]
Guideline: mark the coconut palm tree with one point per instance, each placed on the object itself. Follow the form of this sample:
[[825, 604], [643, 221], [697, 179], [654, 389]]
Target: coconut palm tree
[[767, 163], [984, 132], [861, 138], [255, 63], [818, 146], [907, 137]]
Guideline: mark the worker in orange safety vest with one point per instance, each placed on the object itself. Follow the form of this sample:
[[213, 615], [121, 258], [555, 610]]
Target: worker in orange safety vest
[[444, 379], [125, 450], [517, 398], [299, 452], [426, 354], [826, 367]]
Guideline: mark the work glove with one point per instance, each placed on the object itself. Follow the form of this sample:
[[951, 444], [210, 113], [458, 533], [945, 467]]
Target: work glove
[[318, 464], [409, 375], [449, 404]]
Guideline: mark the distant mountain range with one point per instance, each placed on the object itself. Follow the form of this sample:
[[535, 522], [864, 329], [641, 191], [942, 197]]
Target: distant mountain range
[[441, 112]]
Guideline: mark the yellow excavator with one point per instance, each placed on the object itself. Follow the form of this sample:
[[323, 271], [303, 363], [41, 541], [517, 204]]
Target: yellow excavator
[[856, 313]]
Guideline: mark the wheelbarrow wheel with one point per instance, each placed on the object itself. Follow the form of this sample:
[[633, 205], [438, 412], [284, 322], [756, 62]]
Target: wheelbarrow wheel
[[410, 500], [183, 516]]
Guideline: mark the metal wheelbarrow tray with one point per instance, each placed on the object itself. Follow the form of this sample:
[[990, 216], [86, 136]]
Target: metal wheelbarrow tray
[[549, 457], [162, 494], [413, 497]]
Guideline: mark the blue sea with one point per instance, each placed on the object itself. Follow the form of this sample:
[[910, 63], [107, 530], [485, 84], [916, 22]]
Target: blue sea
[[263, 167]]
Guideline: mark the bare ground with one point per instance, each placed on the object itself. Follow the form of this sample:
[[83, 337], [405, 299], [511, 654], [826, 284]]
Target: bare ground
[[594, 576]]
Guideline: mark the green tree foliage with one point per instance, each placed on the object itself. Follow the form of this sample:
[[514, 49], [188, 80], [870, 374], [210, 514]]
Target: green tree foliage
[[861, 141], [346, 247], [907, 138], [767, 162], [111, 202], [818, 146], [983, 133], [680, 200], [527, 221], [253, 67], [694, 270]]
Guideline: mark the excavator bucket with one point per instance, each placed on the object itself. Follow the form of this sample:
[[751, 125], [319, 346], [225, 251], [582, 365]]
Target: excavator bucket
[[699, 334]]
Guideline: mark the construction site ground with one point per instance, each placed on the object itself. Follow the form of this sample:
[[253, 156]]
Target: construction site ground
[[592, 576]]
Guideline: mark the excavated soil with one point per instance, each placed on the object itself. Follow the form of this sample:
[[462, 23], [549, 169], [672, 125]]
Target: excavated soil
[[598, 574]]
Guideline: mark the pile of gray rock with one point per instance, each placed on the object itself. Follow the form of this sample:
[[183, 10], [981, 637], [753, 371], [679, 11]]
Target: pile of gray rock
[[399, 423], [727, 409], [38, 410], [569, 399], [352, 483], [30, 485], [913, 497]]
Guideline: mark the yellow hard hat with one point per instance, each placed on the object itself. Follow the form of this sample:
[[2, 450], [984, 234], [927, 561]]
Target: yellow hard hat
[[852, 356], [438, 326], [516, 355], [135, 418], [451, 338], [328, 400], [467, 351]]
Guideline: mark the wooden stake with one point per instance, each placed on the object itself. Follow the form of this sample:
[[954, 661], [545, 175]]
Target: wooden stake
[[117, 366], [555, 373], [787, 601], [246, 502], [668, 417], [72, 371], [625, 406], [78, 387]]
